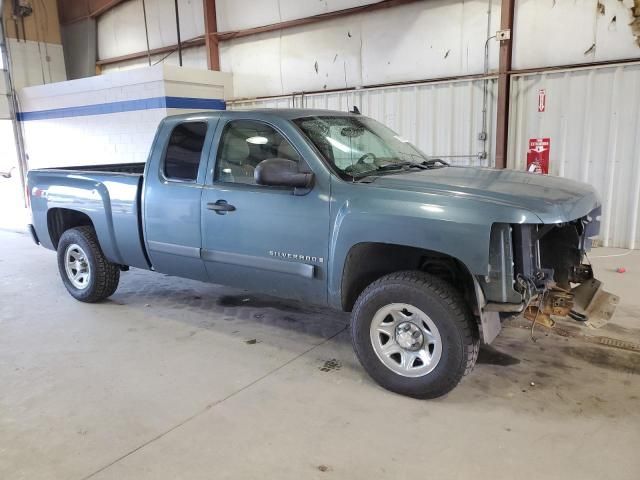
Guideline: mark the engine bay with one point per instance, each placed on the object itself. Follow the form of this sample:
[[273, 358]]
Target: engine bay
[[544, 270]]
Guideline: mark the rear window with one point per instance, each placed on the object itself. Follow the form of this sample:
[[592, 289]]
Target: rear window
[[184, 151]]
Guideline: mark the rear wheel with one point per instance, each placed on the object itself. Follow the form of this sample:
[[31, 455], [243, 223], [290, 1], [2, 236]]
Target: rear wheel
[[414, 334], [85, 272]]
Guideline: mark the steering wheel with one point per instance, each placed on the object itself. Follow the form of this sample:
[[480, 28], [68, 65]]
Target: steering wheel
[[361, 162], [362, 159]]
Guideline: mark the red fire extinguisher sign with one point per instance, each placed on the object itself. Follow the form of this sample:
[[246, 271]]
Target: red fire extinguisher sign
[[542, 100], [538, 155]]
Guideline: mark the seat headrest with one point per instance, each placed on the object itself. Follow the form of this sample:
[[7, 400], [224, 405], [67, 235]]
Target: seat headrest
[[237, 150], [285, 150]]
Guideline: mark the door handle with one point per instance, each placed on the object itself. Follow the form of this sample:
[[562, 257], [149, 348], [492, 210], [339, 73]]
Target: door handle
[[221, 207]]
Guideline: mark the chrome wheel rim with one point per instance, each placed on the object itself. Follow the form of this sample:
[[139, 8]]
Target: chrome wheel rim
[[406, 340], [76, 266]]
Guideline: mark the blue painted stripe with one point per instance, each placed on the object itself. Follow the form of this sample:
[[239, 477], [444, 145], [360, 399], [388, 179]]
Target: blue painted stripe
[[125, 106], [195, 103]]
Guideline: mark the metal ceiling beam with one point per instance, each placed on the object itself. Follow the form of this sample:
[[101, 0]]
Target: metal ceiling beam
[[194, 42], [504, 82]]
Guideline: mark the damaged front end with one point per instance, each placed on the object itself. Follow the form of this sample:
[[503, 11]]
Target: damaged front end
[[539, 269]]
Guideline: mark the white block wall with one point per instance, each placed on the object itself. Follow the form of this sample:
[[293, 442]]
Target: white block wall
[[119, 137], [93, 140]]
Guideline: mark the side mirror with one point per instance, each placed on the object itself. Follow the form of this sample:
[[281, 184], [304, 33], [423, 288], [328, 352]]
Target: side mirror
[[280, 172]]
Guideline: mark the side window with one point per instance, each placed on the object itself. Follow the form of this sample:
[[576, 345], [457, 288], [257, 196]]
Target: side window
[[246, 143], [182, 159]]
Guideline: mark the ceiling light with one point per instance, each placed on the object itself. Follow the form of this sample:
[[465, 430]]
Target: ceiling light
[[258, 140]]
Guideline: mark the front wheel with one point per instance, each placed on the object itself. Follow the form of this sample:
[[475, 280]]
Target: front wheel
[[85, 272], [414, 334]]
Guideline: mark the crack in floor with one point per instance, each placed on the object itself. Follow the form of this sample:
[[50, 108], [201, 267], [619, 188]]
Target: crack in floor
[[211, 405]]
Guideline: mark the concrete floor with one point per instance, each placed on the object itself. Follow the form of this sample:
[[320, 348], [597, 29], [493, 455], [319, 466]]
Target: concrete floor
[[179, 379]]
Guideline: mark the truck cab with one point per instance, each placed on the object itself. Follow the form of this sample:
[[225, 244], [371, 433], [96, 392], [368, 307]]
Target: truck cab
[[233, 230]]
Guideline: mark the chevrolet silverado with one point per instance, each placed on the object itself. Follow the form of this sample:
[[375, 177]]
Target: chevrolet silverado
[[335, 209]]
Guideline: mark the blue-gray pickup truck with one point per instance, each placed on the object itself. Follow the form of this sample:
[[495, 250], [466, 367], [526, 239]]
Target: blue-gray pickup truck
[[334, 208]]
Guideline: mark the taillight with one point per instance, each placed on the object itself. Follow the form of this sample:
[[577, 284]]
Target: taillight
[[34, 192]]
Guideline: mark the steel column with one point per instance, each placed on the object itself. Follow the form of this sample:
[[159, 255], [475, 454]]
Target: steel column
[[504, 80], [210, 32]]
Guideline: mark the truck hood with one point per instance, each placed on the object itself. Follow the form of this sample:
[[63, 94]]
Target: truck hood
[[552, 199]]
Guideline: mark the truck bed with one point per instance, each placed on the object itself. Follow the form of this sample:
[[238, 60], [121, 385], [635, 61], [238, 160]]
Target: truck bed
[[133, 168], [109, 195]]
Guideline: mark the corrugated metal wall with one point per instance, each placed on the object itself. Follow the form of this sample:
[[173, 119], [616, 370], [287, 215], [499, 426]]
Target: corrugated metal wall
[[442, 119], [120, 30], [592, 117]]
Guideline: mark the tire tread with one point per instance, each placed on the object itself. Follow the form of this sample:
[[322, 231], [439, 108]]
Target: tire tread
[[453, 301], [106, 274]]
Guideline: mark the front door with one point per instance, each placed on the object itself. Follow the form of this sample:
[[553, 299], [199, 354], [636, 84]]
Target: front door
[[261, 238]]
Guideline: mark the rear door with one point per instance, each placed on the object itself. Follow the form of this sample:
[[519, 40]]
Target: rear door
[[261, 238], [172, 197]]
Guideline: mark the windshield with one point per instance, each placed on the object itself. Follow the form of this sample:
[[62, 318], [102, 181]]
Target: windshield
[[358, 146]]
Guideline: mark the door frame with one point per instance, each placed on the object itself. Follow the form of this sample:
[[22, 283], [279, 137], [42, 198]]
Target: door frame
[[309, 160], [154, 178]]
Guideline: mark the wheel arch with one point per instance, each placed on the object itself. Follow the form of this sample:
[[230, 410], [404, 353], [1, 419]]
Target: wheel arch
[[60, 220], [368, 261]]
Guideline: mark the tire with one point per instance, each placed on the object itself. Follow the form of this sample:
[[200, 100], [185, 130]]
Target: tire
[[416, 312], [86, 273]]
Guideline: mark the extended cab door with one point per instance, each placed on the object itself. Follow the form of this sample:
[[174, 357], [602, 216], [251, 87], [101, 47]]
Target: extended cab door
[[267, 239], [172, 196]]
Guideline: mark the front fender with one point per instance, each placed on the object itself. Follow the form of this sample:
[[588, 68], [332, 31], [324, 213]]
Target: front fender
[[452, 225]]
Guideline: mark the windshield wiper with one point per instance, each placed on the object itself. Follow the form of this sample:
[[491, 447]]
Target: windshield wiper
[[401, 165], [433, 161], [424, 165]]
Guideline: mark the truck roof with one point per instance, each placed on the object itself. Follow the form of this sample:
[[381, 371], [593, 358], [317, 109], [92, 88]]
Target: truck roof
[[287, 113]]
